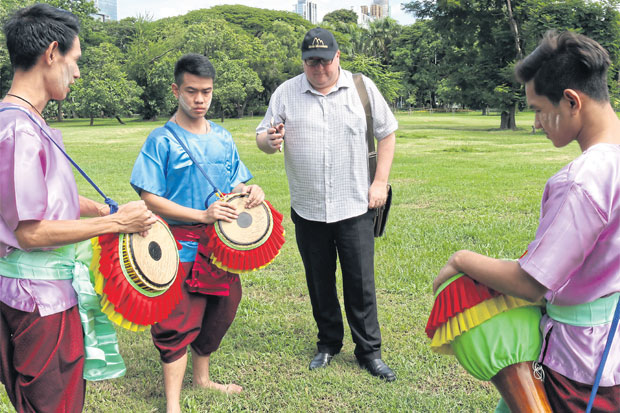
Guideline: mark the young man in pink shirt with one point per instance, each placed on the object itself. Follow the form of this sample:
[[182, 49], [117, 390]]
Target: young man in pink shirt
[[574, 260]]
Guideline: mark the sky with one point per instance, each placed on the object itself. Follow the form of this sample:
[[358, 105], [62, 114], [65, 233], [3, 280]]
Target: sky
[[157, 9]]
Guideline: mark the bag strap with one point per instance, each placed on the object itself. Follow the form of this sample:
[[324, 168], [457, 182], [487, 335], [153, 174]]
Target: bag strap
[[215, 191], [109, 201], [372, 153], [601, 366]]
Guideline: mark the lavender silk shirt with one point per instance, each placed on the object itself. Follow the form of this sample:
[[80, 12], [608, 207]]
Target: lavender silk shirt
[[36, 183], [576, 255]]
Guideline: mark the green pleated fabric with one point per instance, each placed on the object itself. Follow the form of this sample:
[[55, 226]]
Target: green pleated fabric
[[508, 338], [72, 262]]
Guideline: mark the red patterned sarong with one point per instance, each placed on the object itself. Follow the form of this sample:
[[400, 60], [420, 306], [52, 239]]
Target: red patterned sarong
[[42, 360], [567, 396], [205, 278]]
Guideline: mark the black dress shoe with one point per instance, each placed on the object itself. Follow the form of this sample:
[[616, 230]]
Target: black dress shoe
[[379, 369], [320, 360]]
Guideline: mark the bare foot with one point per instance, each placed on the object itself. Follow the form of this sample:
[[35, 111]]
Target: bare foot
[[224, 388]]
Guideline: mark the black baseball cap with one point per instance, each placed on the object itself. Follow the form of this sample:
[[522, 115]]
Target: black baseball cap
[[319, 43]]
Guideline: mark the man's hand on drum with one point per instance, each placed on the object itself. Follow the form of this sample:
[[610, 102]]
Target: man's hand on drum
[[446, 272], [134, 217], [255, 195], [220, 210]]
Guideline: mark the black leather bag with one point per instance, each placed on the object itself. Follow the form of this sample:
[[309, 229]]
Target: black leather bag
[[381, 213]]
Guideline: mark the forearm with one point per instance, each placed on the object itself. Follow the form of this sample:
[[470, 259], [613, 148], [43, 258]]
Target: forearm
[[505, 276], [47, 233], [171, 210], [90, 208], [385, 156], [262, 141]]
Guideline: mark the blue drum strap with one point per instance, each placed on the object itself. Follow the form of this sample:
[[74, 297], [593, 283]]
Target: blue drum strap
[[215, 191], [109, 201], [599, 372]]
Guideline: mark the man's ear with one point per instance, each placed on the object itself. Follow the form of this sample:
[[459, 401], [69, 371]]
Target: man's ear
[[175, 90], [51, 53], [573, 98]]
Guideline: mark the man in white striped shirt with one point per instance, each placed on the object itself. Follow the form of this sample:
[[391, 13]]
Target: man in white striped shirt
[[320, 116]]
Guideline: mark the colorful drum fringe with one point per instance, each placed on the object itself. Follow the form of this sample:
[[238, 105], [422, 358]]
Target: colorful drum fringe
[[125, 303], [239, 261], [484, 329]]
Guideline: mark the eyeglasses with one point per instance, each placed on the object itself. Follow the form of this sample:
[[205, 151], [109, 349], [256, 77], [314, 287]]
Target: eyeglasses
[[315, 62]]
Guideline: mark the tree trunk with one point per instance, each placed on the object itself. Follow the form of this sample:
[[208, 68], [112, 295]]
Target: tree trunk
[[508, 118], [504, 120], [92, 120], [515, 30], [119, 120], [59, 114], [512, 117]]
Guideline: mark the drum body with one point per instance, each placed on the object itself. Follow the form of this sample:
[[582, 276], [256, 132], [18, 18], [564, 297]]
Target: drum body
[[138, 278], [494, 337], [250, 242]]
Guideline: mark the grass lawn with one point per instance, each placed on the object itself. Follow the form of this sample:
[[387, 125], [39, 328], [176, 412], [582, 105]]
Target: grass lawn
[[459, 183]]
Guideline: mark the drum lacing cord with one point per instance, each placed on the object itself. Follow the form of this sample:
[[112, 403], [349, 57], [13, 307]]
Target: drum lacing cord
[[109, 201], [215, 191]]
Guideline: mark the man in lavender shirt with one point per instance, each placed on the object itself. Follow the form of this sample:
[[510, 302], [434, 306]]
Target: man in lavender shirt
[[41, 338], [574, 260]]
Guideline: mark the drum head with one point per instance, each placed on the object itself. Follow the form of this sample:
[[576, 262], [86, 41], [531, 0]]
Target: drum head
[[154, 258], [250, 230]]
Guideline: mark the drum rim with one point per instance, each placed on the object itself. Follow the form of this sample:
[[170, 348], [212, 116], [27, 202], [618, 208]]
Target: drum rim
[[246, 245], [131, 266]]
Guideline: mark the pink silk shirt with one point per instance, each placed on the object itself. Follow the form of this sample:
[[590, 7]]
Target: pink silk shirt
[[36, 183], [576, 255]]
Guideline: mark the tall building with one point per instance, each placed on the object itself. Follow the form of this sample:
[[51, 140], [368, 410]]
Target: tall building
[[307, 10], [385, 7], [376, 11], [106, 10]]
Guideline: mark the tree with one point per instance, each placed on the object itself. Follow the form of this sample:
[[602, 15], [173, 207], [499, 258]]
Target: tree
[[150, 58], [480, 44], [235, 84], [418, 53], [388, 82], [340, 16], [380, 35], [105, 90]]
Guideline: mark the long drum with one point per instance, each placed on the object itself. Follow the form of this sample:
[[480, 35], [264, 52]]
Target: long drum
[[495, 337], [138, 278], [248, 243]]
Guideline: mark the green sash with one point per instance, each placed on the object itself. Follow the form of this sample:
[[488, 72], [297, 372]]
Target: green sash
[[594, 313], [71, 262]]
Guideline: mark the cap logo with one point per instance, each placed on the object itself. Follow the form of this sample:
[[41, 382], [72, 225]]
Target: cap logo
[[318, 44]]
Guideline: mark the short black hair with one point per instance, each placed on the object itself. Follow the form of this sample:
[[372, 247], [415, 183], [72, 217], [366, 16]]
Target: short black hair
[[195, 64], [30, 31], [566, 60]]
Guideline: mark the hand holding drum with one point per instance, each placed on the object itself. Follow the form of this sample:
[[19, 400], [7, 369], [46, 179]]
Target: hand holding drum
[[134, 217]]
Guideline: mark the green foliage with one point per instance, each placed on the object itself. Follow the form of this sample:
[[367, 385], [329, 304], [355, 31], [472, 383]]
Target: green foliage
[[341, 16], [236, 84], [387, 81], [418, 53], [105, 90]]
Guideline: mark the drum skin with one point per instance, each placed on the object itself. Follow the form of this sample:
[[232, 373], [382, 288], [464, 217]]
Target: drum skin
[[153, 260], [252, 227]]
